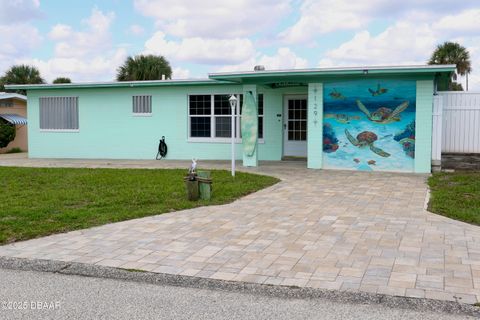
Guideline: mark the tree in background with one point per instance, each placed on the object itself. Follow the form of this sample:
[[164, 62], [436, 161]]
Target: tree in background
[[7, 133], [453, 53], [144, 67], [62, 80], [21, 74]]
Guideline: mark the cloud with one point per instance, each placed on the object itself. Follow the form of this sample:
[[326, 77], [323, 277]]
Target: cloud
[[201, 50], [335, 15], [213, 18], [18, 38], [95, 39], [464, 23], [402, 43], [82, 55], [101, 67], [180, 73], [60, 32], [473, 46], [284, 58], [19, 11], [410, 42], [319, 17]]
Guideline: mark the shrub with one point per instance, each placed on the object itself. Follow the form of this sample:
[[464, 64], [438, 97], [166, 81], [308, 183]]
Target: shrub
[[15, 150], [7, 133]]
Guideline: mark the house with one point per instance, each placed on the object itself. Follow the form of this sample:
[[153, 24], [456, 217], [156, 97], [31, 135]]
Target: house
[[13, 109], [366, 118]]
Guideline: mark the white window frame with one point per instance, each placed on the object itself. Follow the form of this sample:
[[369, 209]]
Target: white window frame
[[143, 114], [213, 117]]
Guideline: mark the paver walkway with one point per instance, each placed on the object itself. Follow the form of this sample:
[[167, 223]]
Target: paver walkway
[[324, 229]]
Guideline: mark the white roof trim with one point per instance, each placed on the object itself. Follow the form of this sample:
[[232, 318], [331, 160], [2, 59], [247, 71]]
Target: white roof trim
[[8, 95], [122, 83]]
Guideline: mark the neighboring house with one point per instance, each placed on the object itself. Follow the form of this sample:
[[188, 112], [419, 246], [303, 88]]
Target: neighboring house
[[367, 118], [13, 109]]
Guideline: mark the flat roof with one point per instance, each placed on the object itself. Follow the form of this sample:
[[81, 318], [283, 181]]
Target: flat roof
[[335, 71], [10, 95], [264, 76]]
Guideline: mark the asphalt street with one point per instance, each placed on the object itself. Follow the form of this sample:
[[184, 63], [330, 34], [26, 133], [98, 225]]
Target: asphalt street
[[42, 295]]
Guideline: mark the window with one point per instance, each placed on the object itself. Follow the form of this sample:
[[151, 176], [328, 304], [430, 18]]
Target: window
[[297, 120], [260, 116], [59, 113], [7, 104], [223, 118], [142, 105], [210, 116], [200, 109]]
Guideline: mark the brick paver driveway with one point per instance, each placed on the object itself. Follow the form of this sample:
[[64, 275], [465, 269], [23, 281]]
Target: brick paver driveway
[[323, 229]]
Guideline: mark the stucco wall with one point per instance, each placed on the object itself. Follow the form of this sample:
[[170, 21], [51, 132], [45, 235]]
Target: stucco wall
[[424, 118], [109, 130], [19, 107]]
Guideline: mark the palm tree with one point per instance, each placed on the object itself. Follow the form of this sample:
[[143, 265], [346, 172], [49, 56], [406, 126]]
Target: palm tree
[[144, 67], [22, 74], [62, 80], [453, 53]]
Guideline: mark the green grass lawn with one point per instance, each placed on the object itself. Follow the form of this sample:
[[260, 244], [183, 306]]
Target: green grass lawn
[[456, 195], [36, 202]]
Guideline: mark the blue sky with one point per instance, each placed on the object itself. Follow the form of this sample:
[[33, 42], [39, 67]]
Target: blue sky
[[87, 40]]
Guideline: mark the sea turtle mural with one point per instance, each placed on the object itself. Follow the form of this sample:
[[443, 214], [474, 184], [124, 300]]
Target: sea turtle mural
[[373, 128], [366, 139], [337, 95], [383, 115], [407, 139], [377, 92], [341, 117], [330, 141]]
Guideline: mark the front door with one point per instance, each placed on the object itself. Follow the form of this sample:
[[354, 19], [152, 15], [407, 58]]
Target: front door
[[295, 126]]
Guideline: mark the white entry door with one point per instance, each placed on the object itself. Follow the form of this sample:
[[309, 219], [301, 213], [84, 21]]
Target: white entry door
[[295, 126]]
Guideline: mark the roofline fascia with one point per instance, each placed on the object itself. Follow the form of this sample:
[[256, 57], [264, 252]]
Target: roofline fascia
[[120, 84], [334, 71]]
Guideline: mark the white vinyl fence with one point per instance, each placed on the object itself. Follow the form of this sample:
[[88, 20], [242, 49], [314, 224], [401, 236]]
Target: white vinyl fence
[[456, 115]]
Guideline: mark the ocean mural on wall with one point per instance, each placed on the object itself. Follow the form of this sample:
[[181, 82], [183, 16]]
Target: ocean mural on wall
[[369, 125]]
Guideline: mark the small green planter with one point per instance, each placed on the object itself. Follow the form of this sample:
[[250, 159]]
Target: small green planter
[[204, 185]]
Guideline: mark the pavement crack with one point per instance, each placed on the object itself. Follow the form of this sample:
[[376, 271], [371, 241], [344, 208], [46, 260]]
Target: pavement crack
[[63, 268]]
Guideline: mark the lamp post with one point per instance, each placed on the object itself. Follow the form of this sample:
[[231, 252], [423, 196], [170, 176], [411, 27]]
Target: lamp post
[[233, 105]]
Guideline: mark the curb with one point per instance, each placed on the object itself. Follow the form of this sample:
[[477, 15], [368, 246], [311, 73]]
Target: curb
[[88, 270], [427, 199]]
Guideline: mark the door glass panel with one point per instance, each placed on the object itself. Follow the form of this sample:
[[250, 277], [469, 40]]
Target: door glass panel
[[297, 120]]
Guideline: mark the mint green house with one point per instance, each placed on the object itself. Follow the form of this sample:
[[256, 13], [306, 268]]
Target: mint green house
[[368, 118]]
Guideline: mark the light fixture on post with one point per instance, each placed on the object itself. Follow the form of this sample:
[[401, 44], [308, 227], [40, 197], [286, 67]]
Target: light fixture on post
[[233, 105]]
